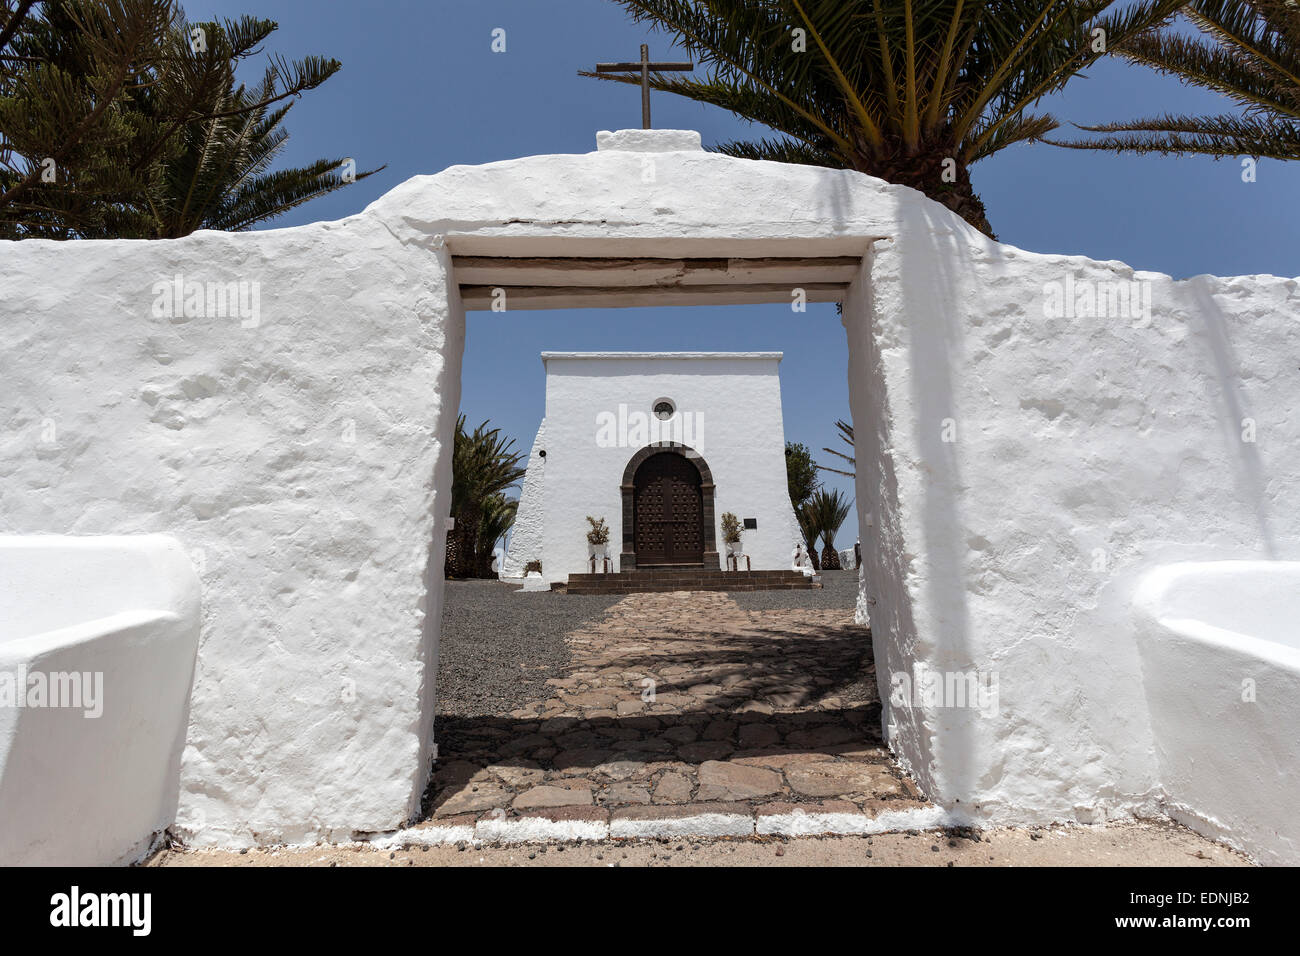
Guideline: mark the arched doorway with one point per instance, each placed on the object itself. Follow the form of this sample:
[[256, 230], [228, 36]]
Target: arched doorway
[[667, 510]]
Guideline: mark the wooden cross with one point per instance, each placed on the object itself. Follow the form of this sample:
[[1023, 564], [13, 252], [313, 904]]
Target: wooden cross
[[645, 68]]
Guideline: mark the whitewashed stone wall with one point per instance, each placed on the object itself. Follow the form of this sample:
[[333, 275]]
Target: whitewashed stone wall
[[298, 460], [1028, 469], [305, 461], [525, 541], [728, 409], [100, 634]]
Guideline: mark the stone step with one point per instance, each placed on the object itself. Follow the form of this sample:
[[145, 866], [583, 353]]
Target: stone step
[[696, 573], [698, 579]]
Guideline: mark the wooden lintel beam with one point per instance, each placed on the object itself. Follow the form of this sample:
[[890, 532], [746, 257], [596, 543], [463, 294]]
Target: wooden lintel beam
[[509, 298], [633, 272]]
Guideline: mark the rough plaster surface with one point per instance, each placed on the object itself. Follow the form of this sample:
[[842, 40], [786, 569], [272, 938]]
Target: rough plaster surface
[[699, 824], [1084, 451], [296, 462], [489, 831], [1087, 450], [649, 140], [525, 541], [728, 409], [537, 830]]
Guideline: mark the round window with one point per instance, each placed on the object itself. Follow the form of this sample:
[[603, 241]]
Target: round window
[[664, 409]]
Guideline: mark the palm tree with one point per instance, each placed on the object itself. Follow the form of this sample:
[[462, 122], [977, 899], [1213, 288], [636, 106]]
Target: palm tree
[[912, 92], [483, 466], [830, 509], [846, 436], [151, 135], [222, 177], [218, 175], [1249, 51], [800, 473], [68, 69]]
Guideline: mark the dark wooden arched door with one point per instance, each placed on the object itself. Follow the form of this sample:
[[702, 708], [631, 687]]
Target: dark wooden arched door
[[668, 512]]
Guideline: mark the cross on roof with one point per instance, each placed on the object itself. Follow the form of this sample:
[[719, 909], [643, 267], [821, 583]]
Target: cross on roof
[[645, 68]]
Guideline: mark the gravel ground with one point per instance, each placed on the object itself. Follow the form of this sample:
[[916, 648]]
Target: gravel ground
[[839, 590], [498, 647]]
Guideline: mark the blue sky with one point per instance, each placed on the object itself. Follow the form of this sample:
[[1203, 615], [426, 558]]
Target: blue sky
[[421, 90]]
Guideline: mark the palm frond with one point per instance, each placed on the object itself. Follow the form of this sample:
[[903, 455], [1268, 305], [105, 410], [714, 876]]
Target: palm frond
[[892, 88], [846, 436], [152, 134], [1224, 135], [1247, 51]]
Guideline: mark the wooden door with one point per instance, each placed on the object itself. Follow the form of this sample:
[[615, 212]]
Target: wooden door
[[668, 512]]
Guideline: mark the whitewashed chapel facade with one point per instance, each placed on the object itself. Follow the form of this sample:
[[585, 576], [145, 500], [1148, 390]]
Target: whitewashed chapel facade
[[659, 445]]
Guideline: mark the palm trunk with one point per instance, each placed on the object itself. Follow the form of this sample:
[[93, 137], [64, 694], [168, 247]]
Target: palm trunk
[[483, 564], [926, 172], [812, 556], [462, 544], [469, 539], [451, 563], [830, 558], [960, 197]]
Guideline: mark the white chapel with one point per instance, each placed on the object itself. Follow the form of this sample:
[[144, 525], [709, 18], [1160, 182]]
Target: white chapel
[[660, 446]]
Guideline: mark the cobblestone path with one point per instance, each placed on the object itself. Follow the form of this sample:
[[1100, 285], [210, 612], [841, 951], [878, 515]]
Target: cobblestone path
[[677, 705]]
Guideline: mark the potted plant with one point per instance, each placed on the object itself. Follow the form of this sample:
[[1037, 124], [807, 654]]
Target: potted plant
[[533, 580], [731, 533], [597, 537], [597, 543]]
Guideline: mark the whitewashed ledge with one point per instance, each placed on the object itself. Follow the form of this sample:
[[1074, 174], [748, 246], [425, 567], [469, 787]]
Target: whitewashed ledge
[[649, 140], [630, 823]]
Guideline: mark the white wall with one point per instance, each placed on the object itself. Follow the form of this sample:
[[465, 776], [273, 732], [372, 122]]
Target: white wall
[[299, 461], [1087, 451], [1220, 650], [526, 535], [734, 401], [98, 637]]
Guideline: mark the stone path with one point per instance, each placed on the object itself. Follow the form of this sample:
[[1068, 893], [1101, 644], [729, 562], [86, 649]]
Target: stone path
[[681, 713]]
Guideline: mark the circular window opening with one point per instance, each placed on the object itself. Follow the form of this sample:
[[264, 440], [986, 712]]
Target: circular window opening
[[664, 409]]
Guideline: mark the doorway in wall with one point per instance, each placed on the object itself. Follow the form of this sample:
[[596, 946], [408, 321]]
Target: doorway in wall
[[668, 515], [603, 708]]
